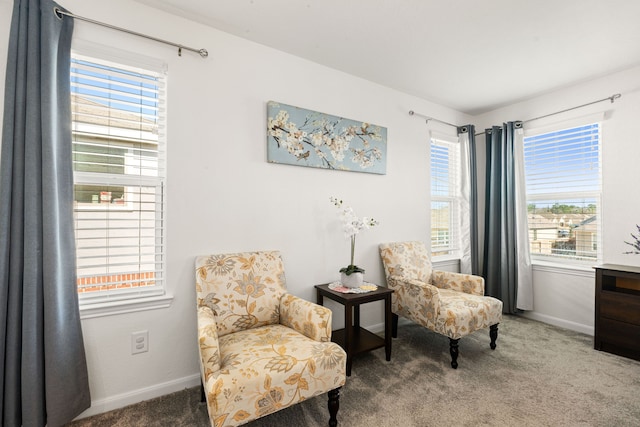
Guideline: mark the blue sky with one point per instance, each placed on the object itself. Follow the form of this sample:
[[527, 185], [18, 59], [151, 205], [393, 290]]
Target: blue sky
[[125, 90], [563, 161]]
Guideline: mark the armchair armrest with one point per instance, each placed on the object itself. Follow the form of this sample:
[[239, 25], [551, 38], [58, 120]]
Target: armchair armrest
[[415, 299], [466, 283], [208, 341], [310, 319]]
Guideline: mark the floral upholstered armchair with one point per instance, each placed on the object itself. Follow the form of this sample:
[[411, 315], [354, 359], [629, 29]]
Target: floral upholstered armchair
[[261, 349], [450, 304]]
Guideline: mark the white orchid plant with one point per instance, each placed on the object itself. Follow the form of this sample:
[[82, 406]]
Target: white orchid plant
[[352, 225]]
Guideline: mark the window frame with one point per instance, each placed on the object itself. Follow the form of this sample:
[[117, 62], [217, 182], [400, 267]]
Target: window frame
[[569, 195], [453, 197], [104, 303]]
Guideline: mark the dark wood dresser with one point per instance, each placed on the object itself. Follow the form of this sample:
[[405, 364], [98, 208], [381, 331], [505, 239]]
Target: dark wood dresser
[[617, 317]]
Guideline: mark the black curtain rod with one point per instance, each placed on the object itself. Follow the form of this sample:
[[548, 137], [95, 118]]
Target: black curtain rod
[[59, 13]]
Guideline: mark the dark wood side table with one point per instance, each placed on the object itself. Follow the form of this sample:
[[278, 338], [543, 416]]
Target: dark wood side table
[[617, 310], [353, 338]]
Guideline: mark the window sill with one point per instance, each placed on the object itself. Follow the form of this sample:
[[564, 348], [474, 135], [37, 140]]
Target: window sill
[[89, 310], [446, 261], [579, 269]]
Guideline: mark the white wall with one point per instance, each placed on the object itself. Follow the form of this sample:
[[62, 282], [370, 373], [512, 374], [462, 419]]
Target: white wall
[[223, 196], [565, 296]]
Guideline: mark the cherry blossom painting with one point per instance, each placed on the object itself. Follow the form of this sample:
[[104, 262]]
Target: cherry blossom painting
[[296, 136]]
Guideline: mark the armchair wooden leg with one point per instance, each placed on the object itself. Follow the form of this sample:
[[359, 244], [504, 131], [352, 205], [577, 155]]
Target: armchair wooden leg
[[493, 333], [334, 405], [203, 398], [394, 325], [453, 349]]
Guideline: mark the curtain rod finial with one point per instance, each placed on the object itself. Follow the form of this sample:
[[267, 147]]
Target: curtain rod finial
[[614, 97], [203, 53], [411, 112]]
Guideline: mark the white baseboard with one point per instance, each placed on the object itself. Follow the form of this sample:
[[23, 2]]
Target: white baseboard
[[376, 329], [121, 400], [567, 324]]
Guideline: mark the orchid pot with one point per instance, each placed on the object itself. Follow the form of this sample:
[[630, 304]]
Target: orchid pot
[[352, 276], [353, 280]]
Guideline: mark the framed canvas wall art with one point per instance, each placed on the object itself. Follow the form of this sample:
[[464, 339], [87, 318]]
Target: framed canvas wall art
[[297, 136]]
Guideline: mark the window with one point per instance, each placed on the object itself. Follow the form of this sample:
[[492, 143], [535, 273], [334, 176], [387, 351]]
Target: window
[[445, 196], [119, 179], [562, 174]]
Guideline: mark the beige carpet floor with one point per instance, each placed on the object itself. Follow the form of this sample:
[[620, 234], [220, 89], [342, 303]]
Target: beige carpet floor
[[539, 375]]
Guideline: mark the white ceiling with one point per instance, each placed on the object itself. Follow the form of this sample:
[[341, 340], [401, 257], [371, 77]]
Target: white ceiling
[[470, 55]]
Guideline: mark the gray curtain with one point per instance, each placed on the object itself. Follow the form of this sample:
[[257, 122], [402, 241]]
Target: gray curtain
[[500, 265], [470, 130], [43, 380]]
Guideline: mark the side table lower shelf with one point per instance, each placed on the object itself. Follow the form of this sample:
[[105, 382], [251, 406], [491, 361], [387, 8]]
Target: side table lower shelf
[[363, 340]]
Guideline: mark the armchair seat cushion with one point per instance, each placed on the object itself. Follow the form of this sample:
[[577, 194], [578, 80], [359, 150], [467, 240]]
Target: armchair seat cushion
[[461, 313], [276, 367]]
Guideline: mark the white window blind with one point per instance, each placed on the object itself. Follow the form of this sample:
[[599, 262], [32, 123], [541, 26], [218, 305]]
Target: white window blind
[[562, 174], [119, 178], [445, 196]]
